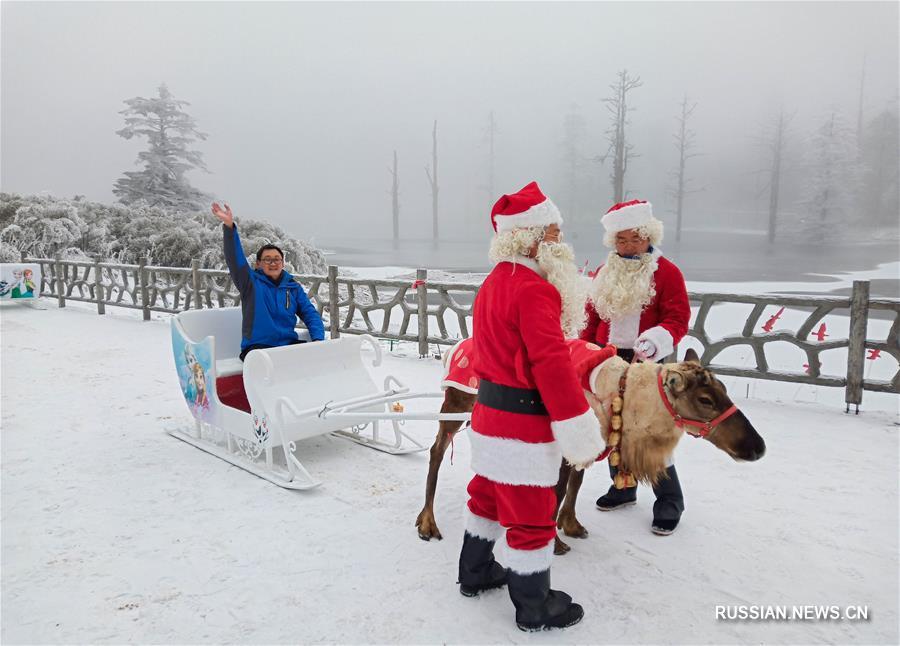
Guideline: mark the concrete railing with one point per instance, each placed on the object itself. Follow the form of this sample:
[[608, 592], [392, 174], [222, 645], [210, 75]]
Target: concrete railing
[[426, 312]]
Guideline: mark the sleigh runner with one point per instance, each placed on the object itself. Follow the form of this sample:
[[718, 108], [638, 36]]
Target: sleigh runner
[[253, 414]]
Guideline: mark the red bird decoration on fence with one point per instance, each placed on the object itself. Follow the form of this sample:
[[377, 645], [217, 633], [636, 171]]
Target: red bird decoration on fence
[[771, 322], [873, 354], [820, 334]]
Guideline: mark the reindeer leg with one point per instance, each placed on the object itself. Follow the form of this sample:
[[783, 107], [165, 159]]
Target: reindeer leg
[[566, 519], [559, 546], [455, 401]]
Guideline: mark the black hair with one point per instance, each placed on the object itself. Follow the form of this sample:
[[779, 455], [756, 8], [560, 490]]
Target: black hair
[[268, 246]]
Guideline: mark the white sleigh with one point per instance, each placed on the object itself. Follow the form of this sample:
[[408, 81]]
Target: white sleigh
[[253, 414]]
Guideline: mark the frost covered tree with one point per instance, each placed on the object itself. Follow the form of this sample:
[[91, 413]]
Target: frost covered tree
[[619, 148], [881, 161], [46, 229], [833, 180], [170, 132], [43, 226]]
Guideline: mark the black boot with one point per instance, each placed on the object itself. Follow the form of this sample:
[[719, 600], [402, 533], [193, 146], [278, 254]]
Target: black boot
[[537, 606], [477, 568], [616, 498], [669, 504]]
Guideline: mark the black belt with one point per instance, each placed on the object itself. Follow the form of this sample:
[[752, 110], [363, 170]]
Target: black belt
[[509, 399]]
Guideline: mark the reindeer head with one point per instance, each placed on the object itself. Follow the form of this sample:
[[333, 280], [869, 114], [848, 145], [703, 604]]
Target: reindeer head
[[696, 394]]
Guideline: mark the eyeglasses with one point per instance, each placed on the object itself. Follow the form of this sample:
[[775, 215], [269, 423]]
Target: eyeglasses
[[272, 262]]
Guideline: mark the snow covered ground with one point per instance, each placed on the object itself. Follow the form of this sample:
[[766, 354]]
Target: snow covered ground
[[113, 531]]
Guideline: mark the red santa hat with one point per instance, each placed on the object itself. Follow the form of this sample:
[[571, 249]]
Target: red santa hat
[[526, 208], [628, 215]]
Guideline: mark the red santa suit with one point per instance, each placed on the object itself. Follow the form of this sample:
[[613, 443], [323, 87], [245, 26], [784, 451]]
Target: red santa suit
[[519, 343], [664, 320]]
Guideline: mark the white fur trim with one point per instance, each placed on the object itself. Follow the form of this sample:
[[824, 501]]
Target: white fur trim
[[595, 373], [480, 527], [448, 361], [539, 215], [628, 217], [448, 383], [524, 562], [525, 261], [623, 332], [660, 337], [514, 462], [579, 438]]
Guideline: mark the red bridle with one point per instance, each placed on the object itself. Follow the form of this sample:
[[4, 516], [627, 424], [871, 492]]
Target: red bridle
[[705, 427]]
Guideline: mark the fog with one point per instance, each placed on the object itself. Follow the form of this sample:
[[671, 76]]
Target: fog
[[304, 103]]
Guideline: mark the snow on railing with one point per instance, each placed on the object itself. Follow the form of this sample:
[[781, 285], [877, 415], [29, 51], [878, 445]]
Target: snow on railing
[[426, 312]]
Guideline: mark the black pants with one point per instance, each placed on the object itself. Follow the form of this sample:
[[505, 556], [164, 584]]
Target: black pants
[[262, 346], [669, 497]]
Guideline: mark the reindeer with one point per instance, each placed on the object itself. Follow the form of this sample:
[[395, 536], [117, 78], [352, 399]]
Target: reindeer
[[659, 404]]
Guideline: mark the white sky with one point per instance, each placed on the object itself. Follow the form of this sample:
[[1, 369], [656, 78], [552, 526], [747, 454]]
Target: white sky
[[304, 102]]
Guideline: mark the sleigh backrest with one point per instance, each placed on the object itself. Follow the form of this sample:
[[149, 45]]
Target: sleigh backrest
[[223, 323]]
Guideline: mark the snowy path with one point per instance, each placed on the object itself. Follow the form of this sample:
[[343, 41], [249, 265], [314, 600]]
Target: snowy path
[[113, 532]]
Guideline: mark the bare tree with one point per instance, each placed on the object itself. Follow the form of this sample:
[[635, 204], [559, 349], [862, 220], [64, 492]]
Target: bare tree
[[773, 141], [859, 114], [432, 174], [833, 180], [574, 134], [684, 143], [490, 135], [395, 199], [881, 167], [619, 149]]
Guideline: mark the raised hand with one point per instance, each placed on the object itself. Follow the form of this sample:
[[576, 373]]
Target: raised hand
[[224, 215]]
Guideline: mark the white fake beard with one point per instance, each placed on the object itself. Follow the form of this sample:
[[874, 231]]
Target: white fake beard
[[624, 286], [558, 262]]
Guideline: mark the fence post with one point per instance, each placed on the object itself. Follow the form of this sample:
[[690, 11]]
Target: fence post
[[60, 283], [422, 316], [195, 284], [98, 288], [143, 280], [856, 352], [334, 312]]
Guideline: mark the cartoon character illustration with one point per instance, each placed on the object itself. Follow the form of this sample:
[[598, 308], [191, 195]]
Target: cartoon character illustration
[[18, 290], [5, 288], [199, 378], [261, 428], [29, 283]]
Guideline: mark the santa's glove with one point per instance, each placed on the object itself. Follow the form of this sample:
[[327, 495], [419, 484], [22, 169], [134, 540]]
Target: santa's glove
[[645, 349], [579, 439]]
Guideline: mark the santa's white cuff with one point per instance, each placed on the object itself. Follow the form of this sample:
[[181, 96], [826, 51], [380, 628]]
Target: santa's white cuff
[[525, 562], [660, 337], [579, 437], [480, 527]]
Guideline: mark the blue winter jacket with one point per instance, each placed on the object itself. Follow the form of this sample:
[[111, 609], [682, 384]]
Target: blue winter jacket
[[270, 308]]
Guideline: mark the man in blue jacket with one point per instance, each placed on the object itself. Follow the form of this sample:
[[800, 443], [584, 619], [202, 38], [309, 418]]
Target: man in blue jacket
[[271, 300]]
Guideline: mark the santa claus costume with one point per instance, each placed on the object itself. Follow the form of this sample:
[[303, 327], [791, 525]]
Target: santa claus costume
[[639, 303], [531, 412]]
